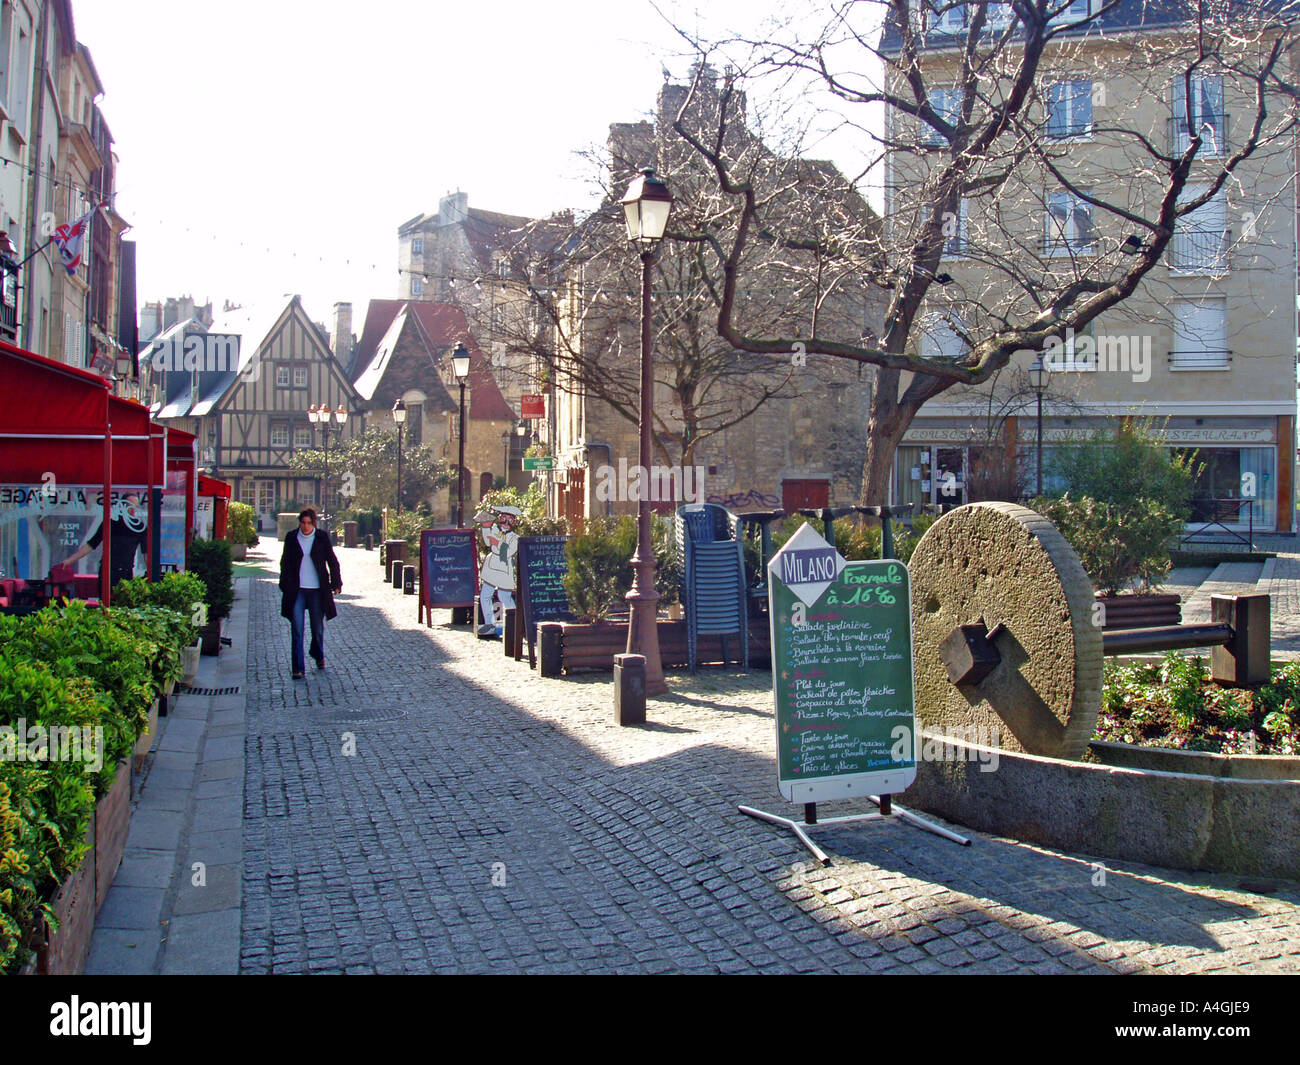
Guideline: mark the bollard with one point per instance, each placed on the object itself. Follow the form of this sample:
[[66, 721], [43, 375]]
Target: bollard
[[408, 581], [550, 656], [508, 631], [629, 689], [398, 567], [349, 534], [370, 542], [383, 557], [460, 615]]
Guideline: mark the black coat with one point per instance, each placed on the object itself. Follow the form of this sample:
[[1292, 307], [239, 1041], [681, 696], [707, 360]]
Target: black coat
[[327, 569]]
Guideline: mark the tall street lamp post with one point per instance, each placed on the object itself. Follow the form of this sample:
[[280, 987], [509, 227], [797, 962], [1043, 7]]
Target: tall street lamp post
[[1038, 382], [646, 205], [460, 368], [399, 418]]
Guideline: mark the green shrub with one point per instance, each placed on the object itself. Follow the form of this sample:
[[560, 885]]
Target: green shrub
[[669, 568], [209, 560], [599, 575], [408, 525], [241, 524], [1120, 546]]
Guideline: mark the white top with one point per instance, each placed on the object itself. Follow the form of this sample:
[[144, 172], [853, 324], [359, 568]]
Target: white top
[[307, 576]]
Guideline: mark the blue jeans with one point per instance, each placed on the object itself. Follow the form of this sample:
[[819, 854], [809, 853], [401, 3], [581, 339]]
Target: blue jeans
[[308, 601]]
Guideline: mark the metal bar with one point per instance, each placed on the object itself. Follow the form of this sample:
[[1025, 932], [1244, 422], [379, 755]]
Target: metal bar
[[793, 826], [919, 822], [67, 436], [1167, 638]]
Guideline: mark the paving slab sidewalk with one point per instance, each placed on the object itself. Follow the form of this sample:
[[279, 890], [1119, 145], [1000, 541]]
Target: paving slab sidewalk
[[174, 906]]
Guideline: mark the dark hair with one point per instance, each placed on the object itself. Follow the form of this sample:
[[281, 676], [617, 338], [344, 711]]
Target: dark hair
[[307, 512]]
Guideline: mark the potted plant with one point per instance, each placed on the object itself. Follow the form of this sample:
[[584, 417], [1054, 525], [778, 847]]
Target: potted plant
[[210, 561], [241, 530]]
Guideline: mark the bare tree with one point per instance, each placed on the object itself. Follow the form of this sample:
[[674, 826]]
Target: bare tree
[[1003, 229]]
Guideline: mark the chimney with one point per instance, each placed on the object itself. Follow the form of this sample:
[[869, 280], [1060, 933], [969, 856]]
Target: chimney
[[341, 334], [453, 208]]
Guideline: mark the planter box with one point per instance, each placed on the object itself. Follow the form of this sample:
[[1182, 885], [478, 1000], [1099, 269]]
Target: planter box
[[593, 646], [1140, 611], [144, 744], [210, 638], [112, 822], [63, 953], [238, 552]]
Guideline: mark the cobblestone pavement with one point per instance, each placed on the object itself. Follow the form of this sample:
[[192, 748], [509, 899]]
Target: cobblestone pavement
[[491, 820]]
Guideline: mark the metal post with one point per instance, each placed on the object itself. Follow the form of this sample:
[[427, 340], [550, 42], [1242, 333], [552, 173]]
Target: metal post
[[643, 624], [886, 535], [460, 465], [1040, 444], [399, 467]]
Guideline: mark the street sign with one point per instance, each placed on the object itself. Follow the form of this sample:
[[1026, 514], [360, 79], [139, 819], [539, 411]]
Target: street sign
[[841, 672], [540, 462]]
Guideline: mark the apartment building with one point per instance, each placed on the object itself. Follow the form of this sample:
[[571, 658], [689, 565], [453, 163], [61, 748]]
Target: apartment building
[[1205, 345], [56, 164]]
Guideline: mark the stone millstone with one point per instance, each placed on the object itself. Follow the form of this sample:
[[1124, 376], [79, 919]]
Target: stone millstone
[[1006, 563]]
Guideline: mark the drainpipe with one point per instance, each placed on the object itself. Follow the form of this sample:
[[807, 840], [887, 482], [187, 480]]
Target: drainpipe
[[37, 118]]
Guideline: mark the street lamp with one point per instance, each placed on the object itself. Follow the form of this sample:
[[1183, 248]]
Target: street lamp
[[460, 368], [1038, 382], [399, 417], [646, 205], [324, 417]]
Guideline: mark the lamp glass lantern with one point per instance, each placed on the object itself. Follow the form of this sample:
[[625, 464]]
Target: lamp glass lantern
[[313, 414], [340, 415], [399, 412], [460, 362], [646, 205], [1038, 376]]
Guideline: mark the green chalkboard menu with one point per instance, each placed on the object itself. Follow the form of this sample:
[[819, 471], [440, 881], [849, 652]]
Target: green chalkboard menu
[[841, 672], [448, 568], [541, 566]]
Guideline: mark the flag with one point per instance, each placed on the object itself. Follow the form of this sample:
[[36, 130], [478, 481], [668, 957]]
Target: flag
[[68, 239]]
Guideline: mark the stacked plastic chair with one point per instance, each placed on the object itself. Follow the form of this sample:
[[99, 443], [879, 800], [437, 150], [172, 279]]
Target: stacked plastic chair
[[713, 581]]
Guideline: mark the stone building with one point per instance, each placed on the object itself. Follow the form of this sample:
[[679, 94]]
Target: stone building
[[404, 351], [764, 432], [1206, 344]]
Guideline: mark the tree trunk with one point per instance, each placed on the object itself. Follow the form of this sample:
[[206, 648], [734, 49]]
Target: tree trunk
[[888, 419]]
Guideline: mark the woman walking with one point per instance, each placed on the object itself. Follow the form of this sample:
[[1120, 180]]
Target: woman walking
[[309, 580]]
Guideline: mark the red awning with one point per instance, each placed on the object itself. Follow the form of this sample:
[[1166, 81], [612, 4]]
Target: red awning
[[210, 486]]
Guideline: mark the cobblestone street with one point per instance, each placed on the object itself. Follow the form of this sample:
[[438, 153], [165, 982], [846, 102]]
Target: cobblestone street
[[493, 821]]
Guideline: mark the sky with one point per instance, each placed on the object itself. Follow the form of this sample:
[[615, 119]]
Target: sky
[[271, 148]]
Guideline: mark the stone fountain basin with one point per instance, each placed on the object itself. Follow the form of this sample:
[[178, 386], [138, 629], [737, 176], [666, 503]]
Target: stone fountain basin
[[1177, 809]]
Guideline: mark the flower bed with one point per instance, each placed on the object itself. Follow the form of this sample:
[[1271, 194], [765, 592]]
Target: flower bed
[[1173, 704]]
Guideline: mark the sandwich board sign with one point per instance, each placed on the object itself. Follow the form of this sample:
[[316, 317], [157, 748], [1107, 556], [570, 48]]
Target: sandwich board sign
[[841, 672]]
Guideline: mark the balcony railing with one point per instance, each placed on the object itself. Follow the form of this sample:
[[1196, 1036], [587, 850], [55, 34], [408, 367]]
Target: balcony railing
[[1200, 250], [1213, 130], [1200, 358]]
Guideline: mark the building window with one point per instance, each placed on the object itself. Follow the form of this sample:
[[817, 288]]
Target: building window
[[1200, 335], [946, 103], [503, 267], [302, 436], [1069, 109], [417, 286], [939, 340], [417, 246], [1074, 11], [1200, 242], [949, 18], [1204, 117], [1068, 225], [499, 318], [282, 377], [279, 434], [300, 377], [955, 235]]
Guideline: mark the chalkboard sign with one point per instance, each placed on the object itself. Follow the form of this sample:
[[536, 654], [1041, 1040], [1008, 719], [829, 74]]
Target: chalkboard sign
[[541, 566], [448, 568], [841, 672]]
